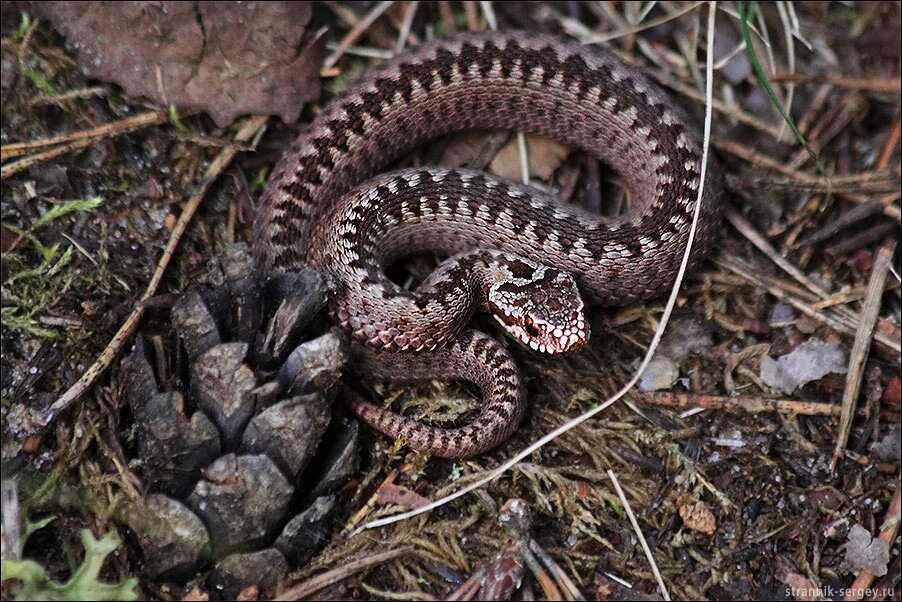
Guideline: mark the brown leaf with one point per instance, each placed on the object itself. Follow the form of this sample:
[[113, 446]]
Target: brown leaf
[[229, 59], [545, 156], [390, 493]]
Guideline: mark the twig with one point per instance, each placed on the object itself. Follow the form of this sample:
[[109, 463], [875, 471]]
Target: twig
[[606, 37], [750, 155], [748, 230], [862, 239], [472, 15], [467, 590], [70, 95], [351, 526], [746, 403], [248, 131], [862, 183], [11, 521], [846, 219], [652, 347], [863, 337], [823, 317], [523, 151], [635, 523], [546, 582], [114, 128], [343, 572], [721, 107], [11, 169], [887, 535], [355, 33], [848, 295], [872, 85], [744, 227], [847, 315]]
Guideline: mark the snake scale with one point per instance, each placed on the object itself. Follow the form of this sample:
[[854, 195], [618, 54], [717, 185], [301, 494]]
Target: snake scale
[[513, 250]]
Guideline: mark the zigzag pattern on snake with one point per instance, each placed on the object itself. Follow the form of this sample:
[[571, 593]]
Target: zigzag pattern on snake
[[515, 251]]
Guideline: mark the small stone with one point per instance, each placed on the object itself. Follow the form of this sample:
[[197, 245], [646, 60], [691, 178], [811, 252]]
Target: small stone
[[810, 361], [686, 336], [661, 373], [889, 449], [866, 552], [781, 314]]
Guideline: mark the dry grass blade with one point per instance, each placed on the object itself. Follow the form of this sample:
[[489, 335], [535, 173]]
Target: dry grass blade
[[749, 274], [406, 25], [648, 555], [860, 347], [355, 33], [606, 37], [337, 574]]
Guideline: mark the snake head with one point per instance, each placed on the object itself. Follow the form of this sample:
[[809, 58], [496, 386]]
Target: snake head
[[541, 307]]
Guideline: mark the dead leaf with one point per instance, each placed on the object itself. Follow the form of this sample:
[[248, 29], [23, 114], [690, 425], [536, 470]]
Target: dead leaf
[[390, 493], [865, 552], [227, 58], [545, 156]]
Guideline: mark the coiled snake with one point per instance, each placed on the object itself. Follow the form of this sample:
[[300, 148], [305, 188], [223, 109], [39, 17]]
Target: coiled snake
[[514, 250]]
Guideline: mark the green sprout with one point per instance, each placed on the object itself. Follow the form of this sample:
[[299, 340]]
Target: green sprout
[[746, 13]]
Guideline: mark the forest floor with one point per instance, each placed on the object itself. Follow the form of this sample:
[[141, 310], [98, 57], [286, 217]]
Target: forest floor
[[731, 452]]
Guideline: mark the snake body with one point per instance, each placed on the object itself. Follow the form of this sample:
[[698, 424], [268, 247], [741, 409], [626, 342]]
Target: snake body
[[513, 250]]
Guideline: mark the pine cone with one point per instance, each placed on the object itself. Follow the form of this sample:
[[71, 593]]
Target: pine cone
[[228, 418]]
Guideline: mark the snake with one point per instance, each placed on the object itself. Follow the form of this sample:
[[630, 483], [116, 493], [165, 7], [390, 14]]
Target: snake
[[531, 261]]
